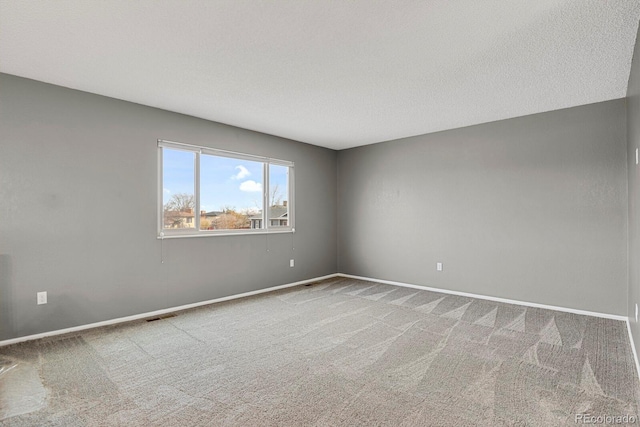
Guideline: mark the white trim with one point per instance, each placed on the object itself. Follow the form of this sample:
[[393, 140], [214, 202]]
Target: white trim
[[633, 347], [485, 297], [160, 201], [196, 192], [158, 312], [221, 153], [243, 232], [302, 282], [265, 197], [291, 215]]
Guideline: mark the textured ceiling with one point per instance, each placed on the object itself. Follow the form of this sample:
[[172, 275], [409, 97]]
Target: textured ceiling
[[332, 73]]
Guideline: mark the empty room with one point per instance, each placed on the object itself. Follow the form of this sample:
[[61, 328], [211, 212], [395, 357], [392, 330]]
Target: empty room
[[319, 213]]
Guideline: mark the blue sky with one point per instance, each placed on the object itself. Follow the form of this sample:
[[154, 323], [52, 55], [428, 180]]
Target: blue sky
[[224, 182]]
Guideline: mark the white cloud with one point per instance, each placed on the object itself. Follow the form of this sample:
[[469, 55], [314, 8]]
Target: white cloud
[[251, 186], [166, 191], [244, 172]]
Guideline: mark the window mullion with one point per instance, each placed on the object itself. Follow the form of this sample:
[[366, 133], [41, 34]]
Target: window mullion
[[160, 193], [196, 214], [265, 195], [291, 195]]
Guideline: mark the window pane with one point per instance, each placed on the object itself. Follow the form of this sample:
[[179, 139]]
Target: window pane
[[278, 196], [230, 193], [178, 201]]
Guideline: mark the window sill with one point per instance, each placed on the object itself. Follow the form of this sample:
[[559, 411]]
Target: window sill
[[224, 233]]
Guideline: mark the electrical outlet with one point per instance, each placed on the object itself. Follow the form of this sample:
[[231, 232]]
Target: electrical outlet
[[291, 263], [438, 266], [42, 298]]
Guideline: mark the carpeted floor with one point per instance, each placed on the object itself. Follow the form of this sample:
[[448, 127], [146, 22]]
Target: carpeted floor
[[341, 352]]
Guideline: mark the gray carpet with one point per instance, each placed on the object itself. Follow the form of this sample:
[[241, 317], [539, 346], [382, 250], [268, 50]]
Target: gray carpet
[[341, 352]]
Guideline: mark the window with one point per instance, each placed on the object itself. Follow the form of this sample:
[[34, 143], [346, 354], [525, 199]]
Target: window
[[204, 191]]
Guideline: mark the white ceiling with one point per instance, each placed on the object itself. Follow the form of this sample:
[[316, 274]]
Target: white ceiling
[[333, 73]]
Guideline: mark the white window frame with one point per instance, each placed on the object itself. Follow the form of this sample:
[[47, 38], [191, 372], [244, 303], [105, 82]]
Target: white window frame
[[196, 232]]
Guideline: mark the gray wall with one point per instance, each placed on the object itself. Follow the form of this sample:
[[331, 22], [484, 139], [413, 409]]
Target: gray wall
[[78, 198], [633, 135], [531, 208]]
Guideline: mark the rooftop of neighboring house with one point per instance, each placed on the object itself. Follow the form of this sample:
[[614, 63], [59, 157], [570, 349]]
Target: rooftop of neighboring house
[[278, 211]]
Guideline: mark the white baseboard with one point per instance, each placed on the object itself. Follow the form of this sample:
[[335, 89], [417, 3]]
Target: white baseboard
[[302, 282], [158, 312], [505, 300], [633, 347]]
